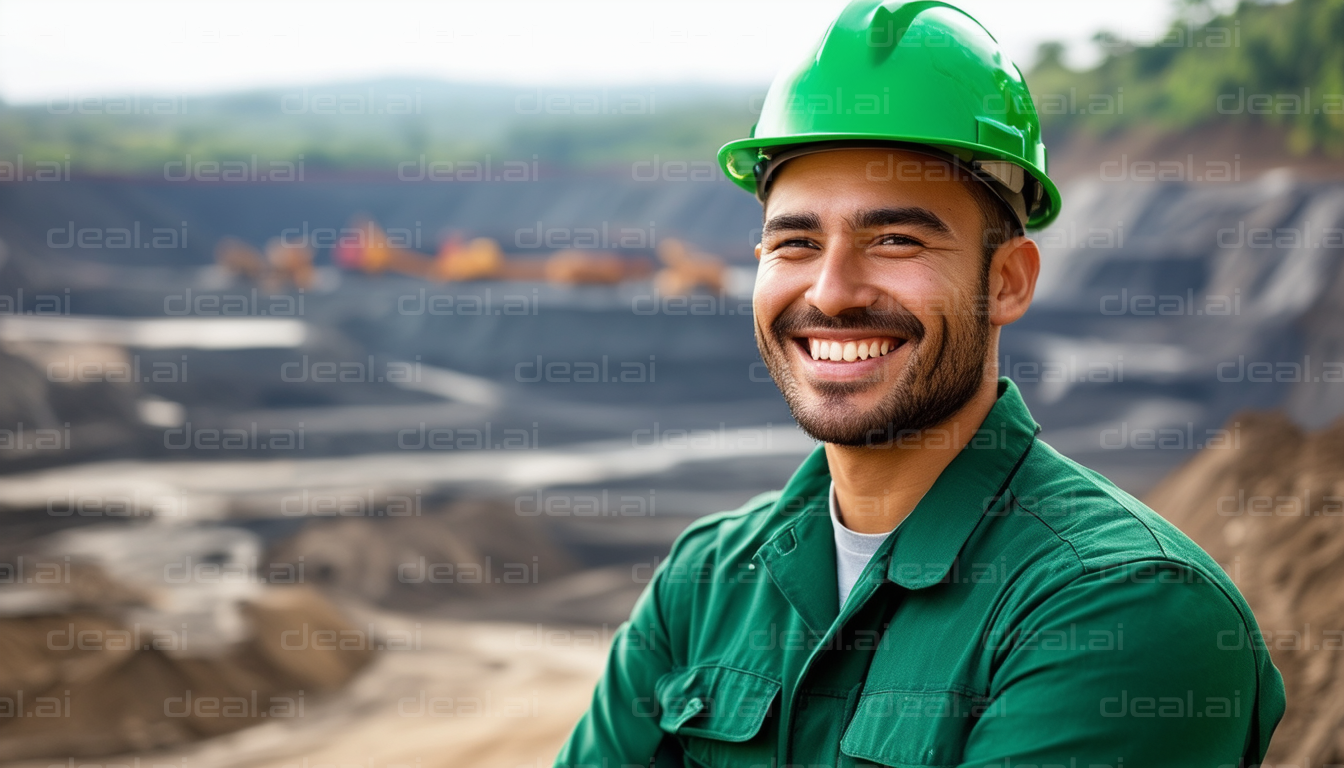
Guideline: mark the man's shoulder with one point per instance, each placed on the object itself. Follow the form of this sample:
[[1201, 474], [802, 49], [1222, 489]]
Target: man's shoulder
[[729, 540], [1092, 522], [733, 530], [1091, 549]]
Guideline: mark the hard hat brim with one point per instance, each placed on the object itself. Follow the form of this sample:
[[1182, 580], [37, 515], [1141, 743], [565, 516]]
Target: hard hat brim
[[738, 160]]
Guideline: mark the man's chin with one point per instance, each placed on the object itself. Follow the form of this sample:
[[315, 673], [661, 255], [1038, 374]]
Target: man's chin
[[844, 421], [835, 399], [856, 435]]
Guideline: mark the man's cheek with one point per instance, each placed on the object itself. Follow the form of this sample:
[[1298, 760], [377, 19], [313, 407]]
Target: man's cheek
[[767, 302]]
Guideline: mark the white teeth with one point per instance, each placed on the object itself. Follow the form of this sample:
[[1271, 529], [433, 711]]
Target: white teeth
[[849, 351]]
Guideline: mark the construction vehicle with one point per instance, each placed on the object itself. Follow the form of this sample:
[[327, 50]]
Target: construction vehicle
[[366, 247], [284, 264]]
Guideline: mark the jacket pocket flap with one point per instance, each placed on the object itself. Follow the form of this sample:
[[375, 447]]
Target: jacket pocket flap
[[912, 728], [715, 702]]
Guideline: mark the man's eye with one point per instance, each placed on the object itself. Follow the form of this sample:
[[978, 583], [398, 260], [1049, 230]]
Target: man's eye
[[796, 242], [897, 240]]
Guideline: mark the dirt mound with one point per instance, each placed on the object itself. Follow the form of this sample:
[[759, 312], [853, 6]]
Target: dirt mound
[[83, 682], [1269, 507], [469, 550]]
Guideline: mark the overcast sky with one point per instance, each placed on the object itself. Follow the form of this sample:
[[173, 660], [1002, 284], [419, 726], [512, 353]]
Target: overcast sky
[[56, 49]]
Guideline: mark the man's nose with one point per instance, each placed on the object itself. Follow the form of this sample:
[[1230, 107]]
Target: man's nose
[[840, 282]]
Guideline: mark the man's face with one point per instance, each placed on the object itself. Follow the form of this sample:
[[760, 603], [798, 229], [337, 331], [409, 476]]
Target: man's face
[[869, 300]]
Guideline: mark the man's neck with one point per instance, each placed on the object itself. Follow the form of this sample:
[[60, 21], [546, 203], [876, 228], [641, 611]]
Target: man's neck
[[877, 487]]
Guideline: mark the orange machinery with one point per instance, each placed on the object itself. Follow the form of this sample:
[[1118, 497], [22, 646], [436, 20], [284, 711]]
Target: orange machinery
[[458, 260]]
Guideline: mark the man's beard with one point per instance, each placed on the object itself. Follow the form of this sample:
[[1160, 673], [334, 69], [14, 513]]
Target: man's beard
[[933, 385]]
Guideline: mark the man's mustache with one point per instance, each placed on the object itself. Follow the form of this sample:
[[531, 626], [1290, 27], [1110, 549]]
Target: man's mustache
[[898, 322]]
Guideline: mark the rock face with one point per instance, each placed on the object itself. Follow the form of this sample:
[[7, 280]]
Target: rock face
[[1241, 282], [1270, 509], [1164, 308]]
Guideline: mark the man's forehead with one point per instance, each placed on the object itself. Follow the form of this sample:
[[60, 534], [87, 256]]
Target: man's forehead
[[878, 165], [880, 178], [823, 190]]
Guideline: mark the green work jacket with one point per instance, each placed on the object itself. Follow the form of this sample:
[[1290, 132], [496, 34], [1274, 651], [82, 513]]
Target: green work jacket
[[1027, 613]]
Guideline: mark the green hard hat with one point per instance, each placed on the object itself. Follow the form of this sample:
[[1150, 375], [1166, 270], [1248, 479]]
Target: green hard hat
[[922, 74]]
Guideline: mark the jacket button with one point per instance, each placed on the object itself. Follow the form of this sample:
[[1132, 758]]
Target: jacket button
[[695, 704]]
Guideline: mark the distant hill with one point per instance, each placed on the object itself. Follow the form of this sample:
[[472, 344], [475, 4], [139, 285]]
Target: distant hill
[[376, 126], [1266, 69]]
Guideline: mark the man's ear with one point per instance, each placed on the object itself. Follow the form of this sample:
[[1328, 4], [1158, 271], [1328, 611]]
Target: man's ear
[[1012, 279], [758, 251]]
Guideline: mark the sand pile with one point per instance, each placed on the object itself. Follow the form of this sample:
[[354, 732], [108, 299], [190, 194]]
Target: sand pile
[[94, 661], [1269, 506], [466, 551], [472, 694]]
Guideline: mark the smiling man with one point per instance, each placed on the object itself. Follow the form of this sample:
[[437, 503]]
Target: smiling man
[[934, 586]]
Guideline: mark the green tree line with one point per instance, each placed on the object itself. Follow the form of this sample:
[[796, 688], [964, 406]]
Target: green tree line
[[1275, 63]]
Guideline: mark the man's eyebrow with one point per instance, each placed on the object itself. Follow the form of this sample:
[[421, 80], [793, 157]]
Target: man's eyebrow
[[886, 217], [785, 222]]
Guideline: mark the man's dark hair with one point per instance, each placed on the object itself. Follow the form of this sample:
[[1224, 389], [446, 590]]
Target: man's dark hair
[[999, 222]]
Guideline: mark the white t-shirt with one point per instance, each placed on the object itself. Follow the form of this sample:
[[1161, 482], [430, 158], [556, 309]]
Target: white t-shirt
[[853, 550]]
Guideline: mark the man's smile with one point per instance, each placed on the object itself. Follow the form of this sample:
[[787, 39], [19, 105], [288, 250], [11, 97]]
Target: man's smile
[[846, 355], [847, 348]]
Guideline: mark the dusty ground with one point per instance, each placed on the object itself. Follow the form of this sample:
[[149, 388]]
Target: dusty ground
[[481, 694]]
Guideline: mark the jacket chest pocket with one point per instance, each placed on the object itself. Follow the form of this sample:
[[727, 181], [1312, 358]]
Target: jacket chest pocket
[[718, 714], [905, 729]]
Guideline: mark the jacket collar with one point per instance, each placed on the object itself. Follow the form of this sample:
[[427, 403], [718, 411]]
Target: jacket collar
[[926, 544], [805, 547], [935, 532]]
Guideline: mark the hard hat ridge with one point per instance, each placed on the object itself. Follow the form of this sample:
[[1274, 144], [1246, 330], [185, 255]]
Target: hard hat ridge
[[923, 76]]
